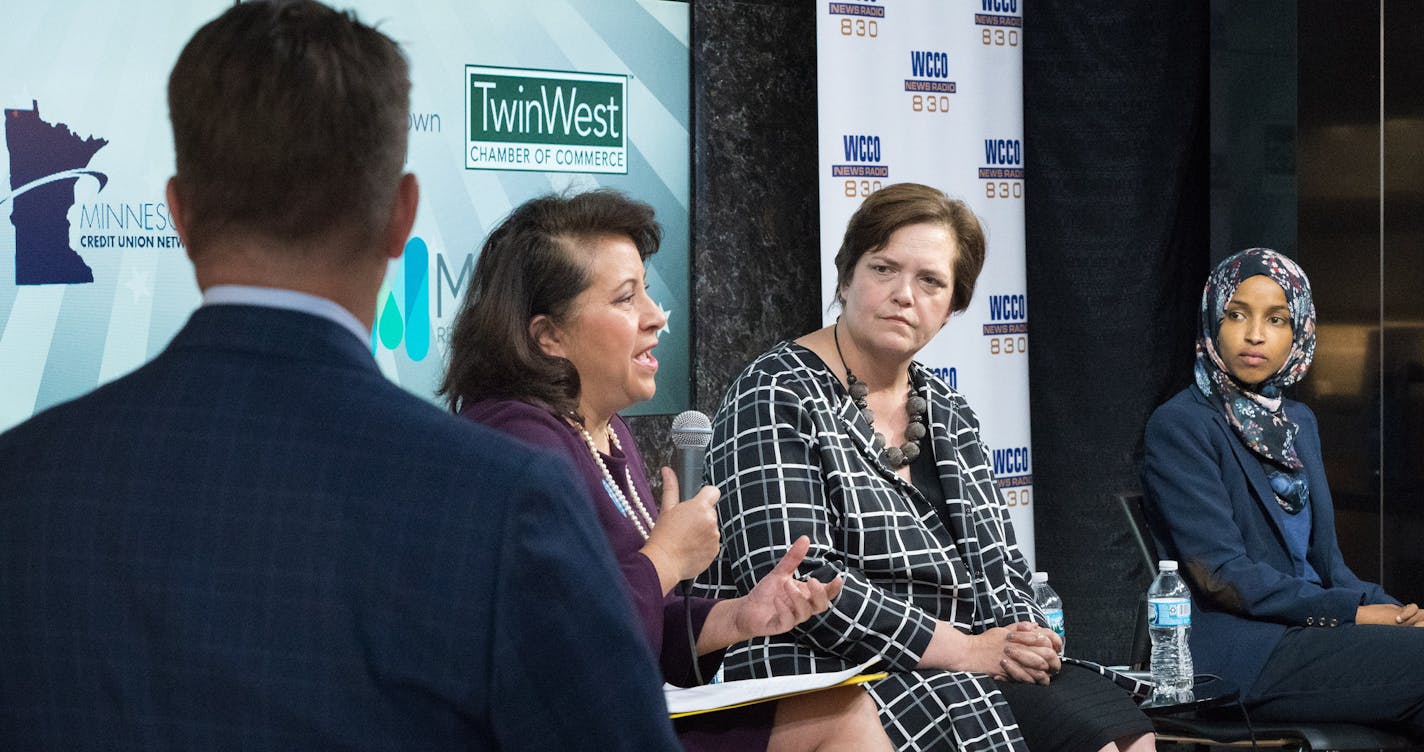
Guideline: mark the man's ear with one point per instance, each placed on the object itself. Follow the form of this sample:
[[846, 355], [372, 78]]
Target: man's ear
[[402, 219], [550, 340], [177, 211]]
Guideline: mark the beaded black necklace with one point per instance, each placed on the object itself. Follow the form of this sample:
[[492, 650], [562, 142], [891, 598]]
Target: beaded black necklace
[[894, 456]]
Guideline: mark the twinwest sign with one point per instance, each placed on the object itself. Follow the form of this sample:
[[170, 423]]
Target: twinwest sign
[[548, 121]]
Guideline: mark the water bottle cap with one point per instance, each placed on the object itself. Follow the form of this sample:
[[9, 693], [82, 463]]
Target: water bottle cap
[[1039, 577], [1167, 565]]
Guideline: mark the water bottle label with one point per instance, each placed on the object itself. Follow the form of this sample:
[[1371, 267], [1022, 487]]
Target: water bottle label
[[1169, 612], [1055, 619]]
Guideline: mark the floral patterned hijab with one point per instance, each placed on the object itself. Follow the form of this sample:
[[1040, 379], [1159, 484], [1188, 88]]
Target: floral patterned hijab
[[1256, 416]]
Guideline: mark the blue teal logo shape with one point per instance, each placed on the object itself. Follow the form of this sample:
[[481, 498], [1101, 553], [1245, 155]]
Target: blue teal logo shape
[[45, 162], [410, 326]]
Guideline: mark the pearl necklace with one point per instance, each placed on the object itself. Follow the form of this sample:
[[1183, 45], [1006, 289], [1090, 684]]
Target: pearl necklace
[[619, 500]]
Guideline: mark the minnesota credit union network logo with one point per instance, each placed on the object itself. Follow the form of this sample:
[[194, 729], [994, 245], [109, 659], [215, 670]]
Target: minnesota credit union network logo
[[545, 121], [46, 160]]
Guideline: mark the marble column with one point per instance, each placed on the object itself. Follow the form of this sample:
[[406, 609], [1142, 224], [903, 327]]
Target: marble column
[[755, 223]]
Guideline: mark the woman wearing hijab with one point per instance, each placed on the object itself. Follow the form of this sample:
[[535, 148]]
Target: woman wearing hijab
[[555, 337], [841, 436], [1236, 493]]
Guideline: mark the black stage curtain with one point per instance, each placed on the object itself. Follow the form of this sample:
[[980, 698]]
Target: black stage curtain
[[1116, 149]]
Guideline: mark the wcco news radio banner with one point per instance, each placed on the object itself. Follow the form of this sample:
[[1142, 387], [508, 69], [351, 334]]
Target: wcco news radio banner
[[509, 100], [929, 91]]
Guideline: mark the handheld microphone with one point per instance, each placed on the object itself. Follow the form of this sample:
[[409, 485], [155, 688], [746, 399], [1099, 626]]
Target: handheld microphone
[[691, 433]]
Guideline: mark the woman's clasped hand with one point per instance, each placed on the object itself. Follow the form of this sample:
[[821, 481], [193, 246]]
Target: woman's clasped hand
[[1407, 615], [1030, 652]]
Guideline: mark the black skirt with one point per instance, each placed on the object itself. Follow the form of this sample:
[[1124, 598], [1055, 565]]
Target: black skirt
[[1080, 710]]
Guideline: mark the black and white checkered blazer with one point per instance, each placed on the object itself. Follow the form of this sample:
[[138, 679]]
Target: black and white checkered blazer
[[792, 456]]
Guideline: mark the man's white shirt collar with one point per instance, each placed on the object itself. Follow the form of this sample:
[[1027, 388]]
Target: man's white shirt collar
[[291, 300]]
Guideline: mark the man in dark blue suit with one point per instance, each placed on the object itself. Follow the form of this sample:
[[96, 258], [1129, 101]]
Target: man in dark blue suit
[[256, 541]]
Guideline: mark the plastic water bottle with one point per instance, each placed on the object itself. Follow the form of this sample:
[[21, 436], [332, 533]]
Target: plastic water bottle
[[1049, 602], [1169, 621]]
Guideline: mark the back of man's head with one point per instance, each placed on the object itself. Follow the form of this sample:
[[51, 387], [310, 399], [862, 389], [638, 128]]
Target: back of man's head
[[289, 124]]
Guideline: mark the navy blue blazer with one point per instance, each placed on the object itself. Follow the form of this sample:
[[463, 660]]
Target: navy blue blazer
[[1211, 507], [256, 541]]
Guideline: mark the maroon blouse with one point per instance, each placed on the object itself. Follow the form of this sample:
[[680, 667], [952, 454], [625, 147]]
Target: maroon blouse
[[662, 616]]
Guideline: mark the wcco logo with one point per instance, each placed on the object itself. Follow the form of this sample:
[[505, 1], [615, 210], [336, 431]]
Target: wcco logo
[[864, 166]]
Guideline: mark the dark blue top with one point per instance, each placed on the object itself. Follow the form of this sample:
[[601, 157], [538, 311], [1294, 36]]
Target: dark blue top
[[1211, 507], [1296, 529]]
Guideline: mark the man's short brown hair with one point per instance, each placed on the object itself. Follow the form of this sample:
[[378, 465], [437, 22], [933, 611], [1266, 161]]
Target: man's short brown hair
[[289, 120]]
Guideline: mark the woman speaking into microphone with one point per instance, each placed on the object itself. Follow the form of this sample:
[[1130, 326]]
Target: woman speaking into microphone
[[555, 337]]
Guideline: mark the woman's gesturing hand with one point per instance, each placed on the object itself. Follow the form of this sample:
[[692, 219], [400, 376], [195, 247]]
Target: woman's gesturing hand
[[686, 538], [780, 601]]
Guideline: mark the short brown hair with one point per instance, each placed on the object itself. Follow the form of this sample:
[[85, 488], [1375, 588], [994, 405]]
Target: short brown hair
[[289, 120], [903, 204], [528, 267]]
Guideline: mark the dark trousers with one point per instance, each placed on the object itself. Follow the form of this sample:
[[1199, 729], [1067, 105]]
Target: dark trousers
[[1080, 709], [1353, 673]]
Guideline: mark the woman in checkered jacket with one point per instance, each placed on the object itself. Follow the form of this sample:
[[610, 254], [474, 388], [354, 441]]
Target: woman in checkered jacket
[[914, 525]]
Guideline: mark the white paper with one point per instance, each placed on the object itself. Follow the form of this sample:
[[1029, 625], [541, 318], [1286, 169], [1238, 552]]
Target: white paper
[[708, 696]]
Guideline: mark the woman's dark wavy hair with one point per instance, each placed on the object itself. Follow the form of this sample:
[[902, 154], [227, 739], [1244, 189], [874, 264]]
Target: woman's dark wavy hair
[[528, 267]]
